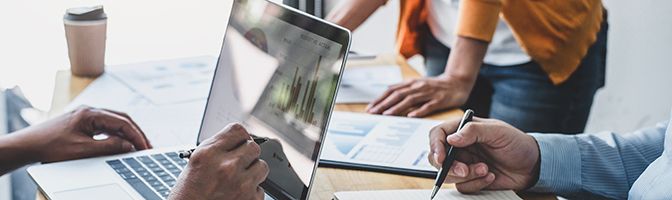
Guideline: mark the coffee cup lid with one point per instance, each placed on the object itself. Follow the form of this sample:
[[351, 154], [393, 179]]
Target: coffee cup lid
[[85, 13]]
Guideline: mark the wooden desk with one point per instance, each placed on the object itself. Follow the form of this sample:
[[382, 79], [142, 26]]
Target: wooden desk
[[327, 180]]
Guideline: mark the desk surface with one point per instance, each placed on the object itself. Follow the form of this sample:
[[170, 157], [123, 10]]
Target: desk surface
[[327, 180]]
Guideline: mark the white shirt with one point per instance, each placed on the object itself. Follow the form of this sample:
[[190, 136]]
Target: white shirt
[[654, 182], [503, 50]]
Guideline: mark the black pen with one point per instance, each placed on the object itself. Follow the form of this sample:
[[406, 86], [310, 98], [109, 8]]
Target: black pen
[[187, 153], [450, 155]]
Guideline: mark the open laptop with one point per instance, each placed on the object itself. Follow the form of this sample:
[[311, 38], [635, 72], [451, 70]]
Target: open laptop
[[277, 73]]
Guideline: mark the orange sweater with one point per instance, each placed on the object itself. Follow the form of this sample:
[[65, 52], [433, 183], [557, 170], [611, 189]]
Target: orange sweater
[[554, 33]]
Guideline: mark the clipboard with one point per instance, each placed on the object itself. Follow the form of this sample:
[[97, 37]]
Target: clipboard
[[387, 144], [377, 168]]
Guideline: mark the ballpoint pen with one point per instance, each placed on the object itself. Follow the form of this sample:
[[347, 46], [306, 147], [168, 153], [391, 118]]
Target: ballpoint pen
[[187, 153], [450, 155]]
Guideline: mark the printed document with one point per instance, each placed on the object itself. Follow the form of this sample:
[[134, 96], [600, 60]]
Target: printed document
[[165, 98], [366, 83], [168, 81], [377, 140]]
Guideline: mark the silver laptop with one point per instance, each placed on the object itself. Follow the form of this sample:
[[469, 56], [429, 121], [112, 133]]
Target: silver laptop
[[277, 73]]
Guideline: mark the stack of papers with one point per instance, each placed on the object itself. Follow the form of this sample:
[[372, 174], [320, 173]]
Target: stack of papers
[[365, 84]]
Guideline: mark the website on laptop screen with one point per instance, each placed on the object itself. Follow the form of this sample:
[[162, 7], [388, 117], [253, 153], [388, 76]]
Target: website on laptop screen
[[279, 81]]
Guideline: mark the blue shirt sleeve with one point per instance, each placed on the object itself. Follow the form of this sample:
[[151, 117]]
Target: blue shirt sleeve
[[596, 165]]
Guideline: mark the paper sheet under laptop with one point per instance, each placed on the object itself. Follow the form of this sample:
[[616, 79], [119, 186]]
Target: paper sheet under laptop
[[446, 194], [378, 140], [168, 81], [172, 121], [366, 83]]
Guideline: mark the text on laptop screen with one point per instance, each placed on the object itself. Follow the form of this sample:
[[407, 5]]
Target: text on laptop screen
[[279, 81]]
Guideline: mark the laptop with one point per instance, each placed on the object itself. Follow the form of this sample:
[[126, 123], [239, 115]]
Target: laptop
[[277, 73]]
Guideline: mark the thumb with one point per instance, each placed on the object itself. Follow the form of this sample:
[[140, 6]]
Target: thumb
[[109, 146], [474, 132]]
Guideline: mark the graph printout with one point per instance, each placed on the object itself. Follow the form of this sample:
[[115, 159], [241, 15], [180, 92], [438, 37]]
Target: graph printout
[[386, 141]]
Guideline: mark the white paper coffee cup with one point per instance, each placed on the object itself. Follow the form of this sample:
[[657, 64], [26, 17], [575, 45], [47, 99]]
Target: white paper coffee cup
[[85, 31]]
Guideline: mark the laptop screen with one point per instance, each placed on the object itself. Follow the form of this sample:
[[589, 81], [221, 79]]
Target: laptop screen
[[277, 74]]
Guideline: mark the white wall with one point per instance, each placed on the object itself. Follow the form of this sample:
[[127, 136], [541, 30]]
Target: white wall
[[377, 34], [638, 91], [639, 76], [33, 45]]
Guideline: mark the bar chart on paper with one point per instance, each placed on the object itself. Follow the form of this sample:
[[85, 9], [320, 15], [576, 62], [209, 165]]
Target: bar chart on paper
[[378, 140]]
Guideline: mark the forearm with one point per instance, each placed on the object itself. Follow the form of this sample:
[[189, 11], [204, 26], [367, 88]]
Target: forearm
[[352, 13], [15, 152], [605, 164], [465, 60]]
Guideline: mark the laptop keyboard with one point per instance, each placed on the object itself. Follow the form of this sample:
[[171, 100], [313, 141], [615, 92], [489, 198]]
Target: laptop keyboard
[[152, 175]]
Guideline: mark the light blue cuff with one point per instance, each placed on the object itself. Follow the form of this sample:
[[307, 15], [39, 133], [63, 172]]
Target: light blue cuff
[[560, 170]]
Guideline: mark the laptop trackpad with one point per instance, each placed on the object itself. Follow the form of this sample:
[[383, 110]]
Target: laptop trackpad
[[103, 192]]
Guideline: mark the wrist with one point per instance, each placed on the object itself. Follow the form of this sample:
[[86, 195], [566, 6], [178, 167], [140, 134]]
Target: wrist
[[21, 147], [534, 172], [461, 85], [14, 153], [188, 187]]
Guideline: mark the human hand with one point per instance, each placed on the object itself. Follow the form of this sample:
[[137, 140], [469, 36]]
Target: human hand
[[225, 166], [420, 97], [70, 136], [492, 155]]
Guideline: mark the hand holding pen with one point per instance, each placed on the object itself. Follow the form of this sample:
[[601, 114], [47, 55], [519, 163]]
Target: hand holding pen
[[491, 155], [227, 165], [187, 153]]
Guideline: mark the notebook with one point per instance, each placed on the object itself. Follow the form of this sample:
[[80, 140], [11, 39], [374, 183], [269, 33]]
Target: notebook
[[424, 194]]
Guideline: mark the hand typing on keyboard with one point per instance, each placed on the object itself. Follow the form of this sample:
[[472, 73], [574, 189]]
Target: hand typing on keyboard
[[226, 166], [71, 136]]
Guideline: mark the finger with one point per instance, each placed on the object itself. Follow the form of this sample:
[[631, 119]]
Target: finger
[[391, 100], [259, 194], [149, 144], [116, 124], [382, 97], [259, 171], [248, 153], [425, 109], [460, 172], [230, 138], [477, 131], [111, 145], [402, 84], [407, 103], [386, 94], [437, 141], [475, 185]]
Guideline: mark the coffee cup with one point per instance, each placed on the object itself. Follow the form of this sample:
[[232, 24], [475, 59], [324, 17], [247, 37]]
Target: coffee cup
[[85, 32]]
